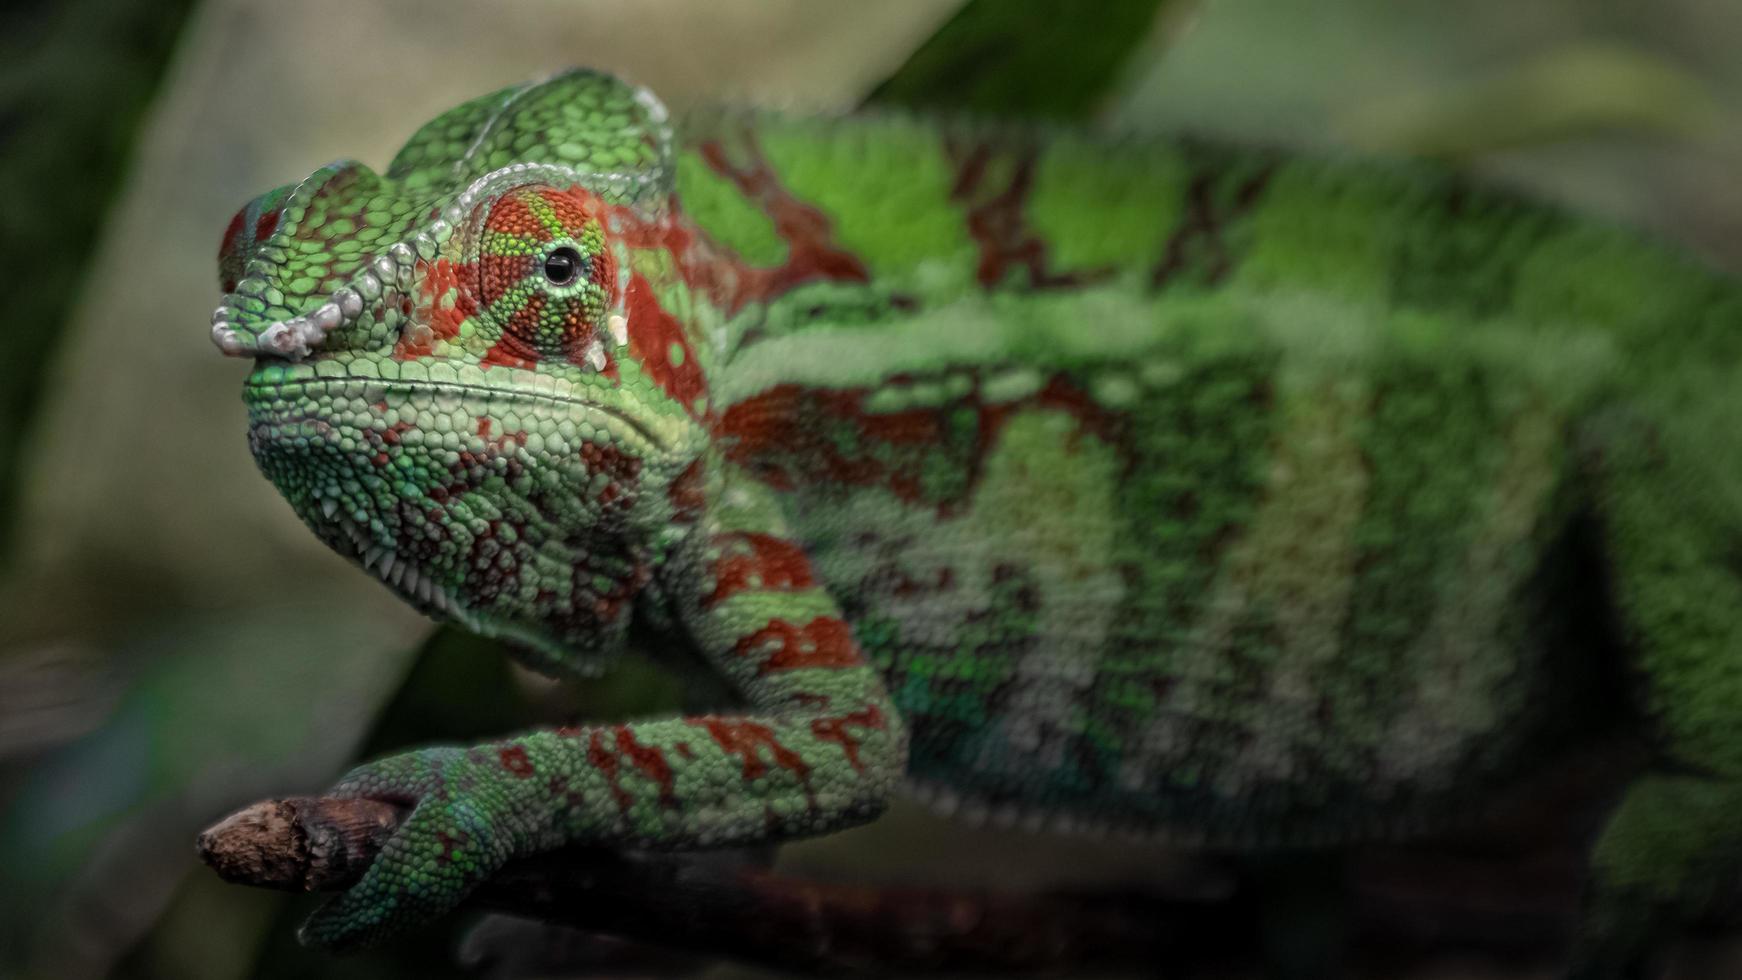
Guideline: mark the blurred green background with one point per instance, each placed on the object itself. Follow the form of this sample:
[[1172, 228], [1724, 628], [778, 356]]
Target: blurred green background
[[173, 644]]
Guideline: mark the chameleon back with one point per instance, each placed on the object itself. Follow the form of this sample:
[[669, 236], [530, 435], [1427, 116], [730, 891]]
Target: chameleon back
[[1176, 487]]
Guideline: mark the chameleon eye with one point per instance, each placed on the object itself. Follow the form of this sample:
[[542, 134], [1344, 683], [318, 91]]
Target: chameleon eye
[[547, 274], [563, 266]]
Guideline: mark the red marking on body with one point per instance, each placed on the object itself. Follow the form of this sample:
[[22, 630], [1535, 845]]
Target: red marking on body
[[997, 221], [607, 458], [1203, 224], [515, 761], [603, 760], [1061, 394], [686, 494], [782, 422], [811, 252], [670, 231], [623, 469], [449, 844], [442, 312], [652, 334], [758, 561], [835, 730], [608, 606], [230, 247], [638, 231], [507, 443], [506, 354], [749, 740], [791, 436], [826, 641], [383, 439], [906, 585], [759, 426], [651, 762], [914, 428], [232, 231], [266, 225]]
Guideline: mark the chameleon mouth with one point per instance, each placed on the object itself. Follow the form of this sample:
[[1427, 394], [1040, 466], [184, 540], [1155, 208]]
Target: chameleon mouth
[[261, 390]]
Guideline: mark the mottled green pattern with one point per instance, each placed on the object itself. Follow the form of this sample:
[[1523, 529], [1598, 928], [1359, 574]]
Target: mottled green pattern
[[1078, 483]]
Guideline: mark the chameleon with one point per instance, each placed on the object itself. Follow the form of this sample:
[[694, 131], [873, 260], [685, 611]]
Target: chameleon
[[1068, 481]]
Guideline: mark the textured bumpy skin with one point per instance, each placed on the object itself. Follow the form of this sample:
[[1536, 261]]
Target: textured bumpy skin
[[1071, 483]]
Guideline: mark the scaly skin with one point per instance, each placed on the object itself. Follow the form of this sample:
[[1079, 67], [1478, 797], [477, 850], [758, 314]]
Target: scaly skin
[[1163, 487]]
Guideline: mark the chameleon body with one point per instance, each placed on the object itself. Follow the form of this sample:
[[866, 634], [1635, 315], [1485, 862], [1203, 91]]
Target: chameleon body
[[1070, 483]]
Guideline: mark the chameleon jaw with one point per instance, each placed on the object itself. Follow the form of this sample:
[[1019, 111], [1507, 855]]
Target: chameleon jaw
[[400, 574]]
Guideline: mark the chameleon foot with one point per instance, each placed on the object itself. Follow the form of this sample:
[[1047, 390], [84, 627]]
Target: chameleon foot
[[448, 844]]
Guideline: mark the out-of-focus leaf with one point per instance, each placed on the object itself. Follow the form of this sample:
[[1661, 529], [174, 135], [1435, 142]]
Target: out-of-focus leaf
[[1038, 58], [97, 833], [75, 81], [53, 694], [1578, 89]]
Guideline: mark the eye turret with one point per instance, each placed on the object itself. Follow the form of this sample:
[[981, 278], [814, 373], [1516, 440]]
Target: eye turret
[[546, 272]]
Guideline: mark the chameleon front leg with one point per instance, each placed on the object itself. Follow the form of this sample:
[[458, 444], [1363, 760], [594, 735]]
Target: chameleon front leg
[[820, 748], [1671, 853]]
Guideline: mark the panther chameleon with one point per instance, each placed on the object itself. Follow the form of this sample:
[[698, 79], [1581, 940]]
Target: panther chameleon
[[1071, 482]]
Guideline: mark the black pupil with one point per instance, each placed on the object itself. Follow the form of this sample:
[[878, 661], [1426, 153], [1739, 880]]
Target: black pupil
[[562, 266]]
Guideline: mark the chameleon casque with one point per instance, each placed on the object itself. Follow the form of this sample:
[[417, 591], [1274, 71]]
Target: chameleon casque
[[1074, 483]]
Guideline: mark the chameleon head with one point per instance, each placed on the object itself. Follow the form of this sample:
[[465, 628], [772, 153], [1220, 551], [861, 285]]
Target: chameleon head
[[465, 376]]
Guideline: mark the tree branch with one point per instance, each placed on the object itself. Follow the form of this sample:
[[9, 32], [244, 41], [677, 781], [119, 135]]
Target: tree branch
[[1406, 902], [749, 914]]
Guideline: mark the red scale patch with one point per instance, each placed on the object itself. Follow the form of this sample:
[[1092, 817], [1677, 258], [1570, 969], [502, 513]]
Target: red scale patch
[[812, 254], [447, 312], [653, 334], [758, 561], [835, 730], [507, 443], [826, 642], [231, 230], [995, 217], [792, 436], [649, 761], [699, 270], [686, 494], [749, 740], [450, 845], [515, 761]]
